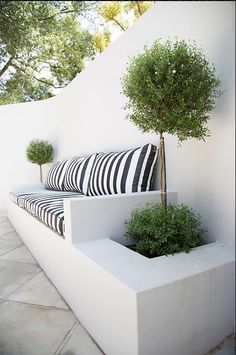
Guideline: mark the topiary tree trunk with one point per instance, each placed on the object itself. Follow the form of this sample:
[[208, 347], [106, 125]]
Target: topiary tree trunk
[[162, 160], [41, 173]]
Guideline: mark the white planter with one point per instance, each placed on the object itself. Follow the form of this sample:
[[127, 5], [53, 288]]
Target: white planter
[[181, 304]]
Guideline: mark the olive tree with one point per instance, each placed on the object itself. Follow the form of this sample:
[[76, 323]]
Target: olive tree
[[39, 152], [171, 88]]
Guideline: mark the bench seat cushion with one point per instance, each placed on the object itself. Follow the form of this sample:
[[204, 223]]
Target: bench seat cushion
[[45, 206]]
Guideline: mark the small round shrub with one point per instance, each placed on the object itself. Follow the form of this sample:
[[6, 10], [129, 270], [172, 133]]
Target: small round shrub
[[39, 152], [161, 230]]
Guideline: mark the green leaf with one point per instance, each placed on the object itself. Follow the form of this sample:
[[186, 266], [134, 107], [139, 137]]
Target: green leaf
[[39, 152], [171, 88], [161, 230]]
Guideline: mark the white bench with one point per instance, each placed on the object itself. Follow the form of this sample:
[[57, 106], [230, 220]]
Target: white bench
[[181, 304]]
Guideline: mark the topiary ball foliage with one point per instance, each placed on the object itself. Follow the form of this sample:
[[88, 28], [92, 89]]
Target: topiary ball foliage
[[171, 88], [39, 152], [161, 230]]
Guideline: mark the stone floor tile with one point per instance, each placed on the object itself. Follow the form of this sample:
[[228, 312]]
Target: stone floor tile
[[13, 275], [3, 218], [21, 255], [5, 227], [8, 245], [30, 330], [3, 214], [11, 236], [80, 343], [39, 291]]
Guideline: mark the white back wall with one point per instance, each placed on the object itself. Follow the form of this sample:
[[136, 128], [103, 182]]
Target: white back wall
[[20, 124], [88, 115]]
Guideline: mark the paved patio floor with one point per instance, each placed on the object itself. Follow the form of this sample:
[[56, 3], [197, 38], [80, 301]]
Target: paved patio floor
[[34, 318]]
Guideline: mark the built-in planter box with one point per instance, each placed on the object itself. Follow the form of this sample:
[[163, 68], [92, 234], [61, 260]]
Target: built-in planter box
[[166, 305], [182, 304]]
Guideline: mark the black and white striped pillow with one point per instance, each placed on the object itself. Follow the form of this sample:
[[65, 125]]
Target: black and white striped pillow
[[78, 173], [123, 172], [56, 176]]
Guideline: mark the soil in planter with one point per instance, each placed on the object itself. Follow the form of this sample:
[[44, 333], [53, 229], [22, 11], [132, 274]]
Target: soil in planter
[[133, 247]]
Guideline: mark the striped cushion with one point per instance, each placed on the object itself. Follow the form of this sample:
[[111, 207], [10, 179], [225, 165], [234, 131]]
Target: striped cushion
[[13, 197], [47, 207], [56, 176], [78, 174], [124, 172], [33, 203], [48, 210]]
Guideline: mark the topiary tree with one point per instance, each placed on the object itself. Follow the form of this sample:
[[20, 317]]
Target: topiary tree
[[171, 88], [39, 152]]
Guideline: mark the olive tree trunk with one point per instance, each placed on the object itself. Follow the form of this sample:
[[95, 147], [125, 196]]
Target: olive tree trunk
[[162, 170], [41, 173]]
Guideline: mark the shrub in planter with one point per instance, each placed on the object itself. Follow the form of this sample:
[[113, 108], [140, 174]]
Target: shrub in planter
[[161, 230], [39, 152]]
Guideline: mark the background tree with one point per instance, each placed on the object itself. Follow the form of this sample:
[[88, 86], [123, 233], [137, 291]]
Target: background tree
[[171, 88], [42, 47], [39, 152], [111, 11], [138, 7], [45, 44], [115, 12], [102, 40]]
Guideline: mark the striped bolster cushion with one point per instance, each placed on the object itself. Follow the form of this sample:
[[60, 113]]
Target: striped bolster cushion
[[56, 176], [78, 174], [124, 172]]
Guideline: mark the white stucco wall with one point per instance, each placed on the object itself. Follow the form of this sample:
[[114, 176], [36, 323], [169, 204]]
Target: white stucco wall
[[88, 115]]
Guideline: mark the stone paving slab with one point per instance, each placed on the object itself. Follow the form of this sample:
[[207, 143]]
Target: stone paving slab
[[5, 227], [3, 217], [30, 330], [14, 275], [34, 318], [10, 236], [80, 343], [20, 255], [39, 291], [8, 245]]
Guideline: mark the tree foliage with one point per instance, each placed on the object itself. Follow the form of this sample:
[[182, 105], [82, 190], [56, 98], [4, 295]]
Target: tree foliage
[[102, 40], [138, 7], [158, 230], [39, 152], [42, 47], [111, 11], [45, 44], [114, 11], [171, 88]]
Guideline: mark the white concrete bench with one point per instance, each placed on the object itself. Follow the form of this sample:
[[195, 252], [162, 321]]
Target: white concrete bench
[[180, 304]]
